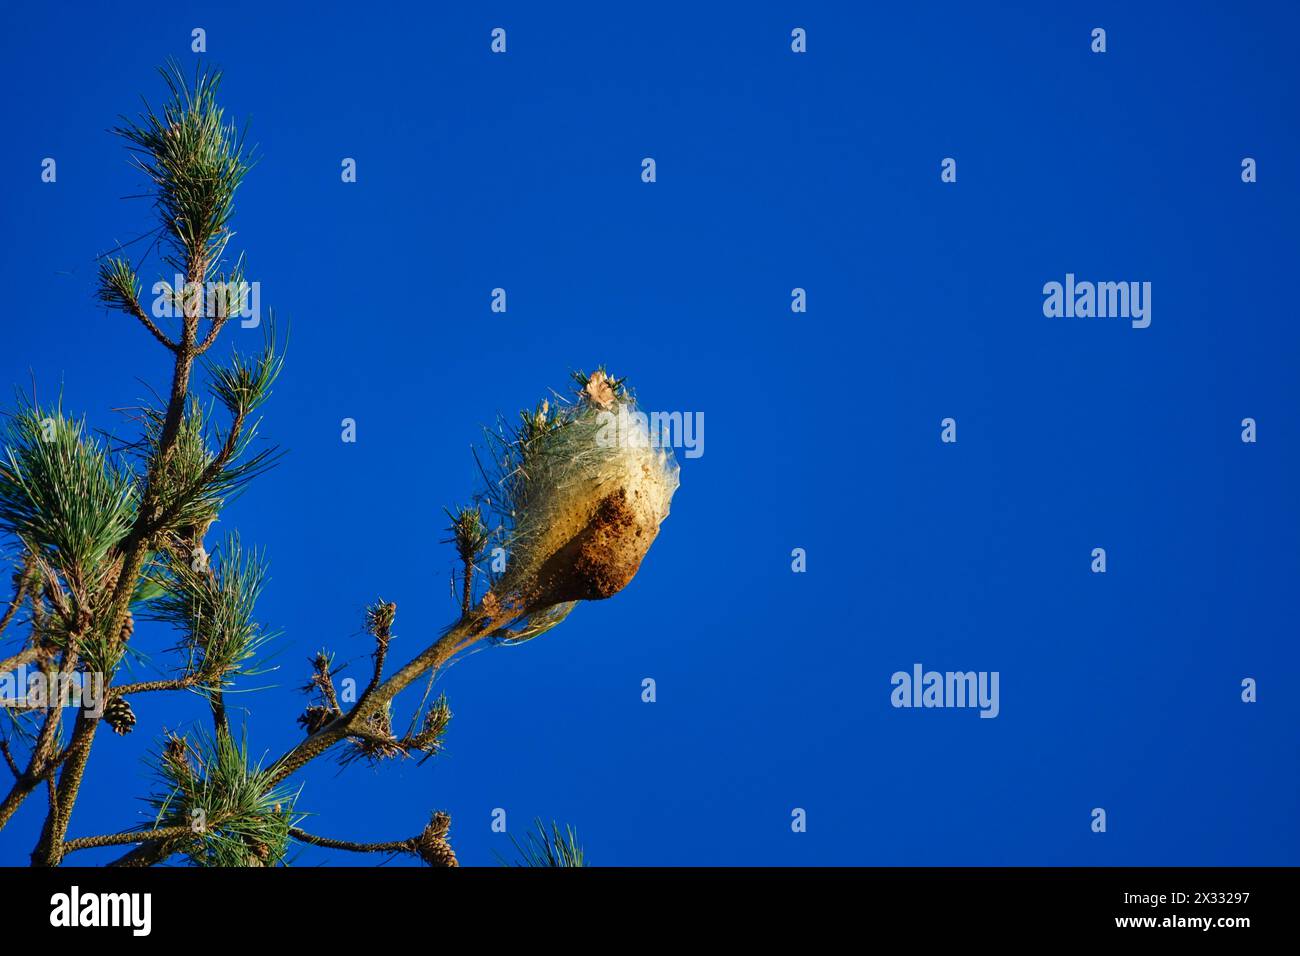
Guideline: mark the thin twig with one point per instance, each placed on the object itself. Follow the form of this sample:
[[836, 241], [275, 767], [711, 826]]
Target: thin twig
[[213, 332], [178, 683], [19, 593], [9, 759], [148, 323], [391, 846]]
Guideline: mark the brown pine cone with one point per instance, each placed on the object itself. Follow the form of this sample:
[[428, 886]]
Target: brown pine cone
[[120, 716], [432, 846], [176, 756]]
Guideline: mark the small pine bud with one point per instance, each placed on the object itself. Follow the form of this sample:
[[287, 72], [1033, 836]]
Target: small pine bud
[[314, 718]]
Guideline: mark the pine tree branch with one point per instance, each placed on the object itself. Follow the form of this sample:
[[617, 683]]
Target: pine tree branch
[[468, 630], [119, 288], [217, 702], [48, 851], [223, 457], [146, 854], [380, 656], [129, 836], [133, 308], [218, 322], [40, 765], [45, 742], [143, 687], [196, 163], [25, 656], [391, 846], [324, 680], [20, 591], [20, 791], [9, 760], [465, 632]]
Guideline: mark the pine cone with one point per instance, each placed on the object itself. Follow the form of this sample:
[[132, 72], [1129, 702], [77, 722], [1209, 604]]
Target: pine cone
[[176, 756], [128, 628], [432, 846], [120, 716]]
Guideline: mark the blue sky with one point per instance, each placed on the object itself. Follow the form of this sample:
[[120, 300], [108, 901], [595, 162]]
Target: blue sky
[[774, 170]]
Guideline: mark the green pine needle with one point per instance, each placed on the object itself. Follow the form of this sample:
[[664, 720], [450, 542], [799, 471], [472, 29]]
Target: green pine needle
[[224, 800], [541, 847], [60, 492]]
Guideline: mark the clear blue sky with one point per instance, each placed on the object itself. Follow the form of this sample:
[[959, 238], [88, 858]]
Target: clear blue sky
[[775, 170]]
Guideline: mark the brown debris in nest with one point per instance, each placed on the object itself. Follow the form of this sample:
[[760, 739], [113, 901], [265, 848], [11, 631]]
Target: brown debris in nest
[[599, 560], [376, 742]]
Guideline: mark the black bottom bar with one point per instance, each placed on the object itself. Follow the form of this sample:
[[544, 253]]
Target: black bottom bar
[[333, 906]]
